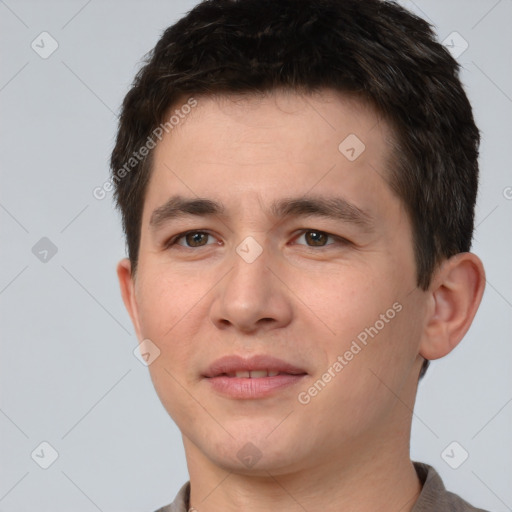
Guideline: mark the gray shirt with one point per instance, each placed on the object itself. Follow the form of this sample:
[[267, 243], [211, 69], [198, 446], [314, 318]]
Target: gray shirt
[[433, 497]]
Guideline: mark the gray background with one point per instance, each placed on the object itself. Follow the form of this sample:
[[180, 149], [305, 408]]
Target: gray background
[[68, 374]]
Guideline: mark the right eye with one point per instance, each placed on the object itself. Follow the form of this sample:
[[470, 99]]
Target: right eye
[[190, 239]]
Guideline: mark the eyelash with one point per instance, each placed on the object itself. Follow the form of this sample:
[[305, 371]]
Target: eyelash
[[340, 240]]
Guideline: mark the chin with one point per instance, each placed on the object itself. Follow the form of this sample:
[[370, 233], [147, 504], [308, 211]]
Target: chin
[[254, 449], [250, 460]]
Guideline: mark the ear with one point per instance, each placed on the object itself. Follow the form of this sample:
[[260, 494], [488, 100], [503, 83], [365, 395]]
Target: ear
[[454, 297], [127, 285]]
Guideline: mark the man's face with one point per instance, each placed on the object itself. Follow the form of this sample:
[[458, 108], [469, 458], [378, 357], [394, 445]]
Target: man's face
[[287, 282]]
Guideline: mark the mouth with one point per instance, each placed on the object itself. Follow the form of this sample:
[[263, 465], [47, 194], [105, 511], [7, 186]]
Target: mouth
[[253, 374], [251, 378], [255, 367]]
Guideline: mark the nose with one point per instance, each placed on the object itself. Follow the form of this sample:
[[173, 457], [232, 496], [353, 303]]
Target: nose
[[252, 296]]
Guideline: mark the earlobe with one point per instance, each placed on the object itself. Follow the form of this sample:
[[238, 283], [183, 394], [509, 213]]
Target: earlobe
[[455, 294], [127, 286]]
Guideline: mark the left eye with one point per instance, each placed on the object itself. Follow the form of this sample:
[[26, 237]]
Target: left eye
[[315, 238], [191, 239]]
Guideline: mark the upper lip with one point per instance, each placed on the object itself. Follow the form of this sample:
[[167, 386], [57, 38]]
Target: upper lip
[[234, 363]]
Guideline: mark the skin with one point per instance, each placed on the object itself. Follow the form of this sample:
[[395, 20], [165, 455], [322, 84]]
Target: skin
[[348, 448]]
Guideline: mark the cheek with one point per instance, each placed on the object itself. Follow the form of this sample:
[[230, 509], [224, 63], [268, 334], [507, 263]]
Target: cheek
[[167, 303], [373, 326], [347, 302], [164, 297], [367, 379], [168, 306]]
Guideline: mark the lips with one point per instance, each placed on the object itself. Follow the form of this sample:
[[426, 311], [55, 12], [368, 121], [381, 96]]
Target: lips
[[253, 378], [255, 367]]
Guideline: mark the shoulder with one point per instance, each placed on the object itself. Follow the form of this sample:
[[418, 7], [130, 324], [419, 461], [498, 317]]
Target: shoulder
[[435, 497], [180, 502]]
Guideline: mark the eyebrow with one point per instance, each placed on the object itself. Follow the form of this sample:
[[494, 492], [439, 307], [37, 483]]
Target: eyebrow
[[336, 208]]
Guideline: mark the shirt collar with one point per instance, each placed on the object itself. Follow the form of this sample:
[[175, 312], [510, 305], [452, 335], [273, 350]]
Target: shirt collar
[[433, 495]]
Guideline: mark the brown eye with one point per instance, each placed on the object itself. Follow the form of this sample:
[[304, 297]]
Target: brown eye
[[191, 239], [196, 239], [316, 238]]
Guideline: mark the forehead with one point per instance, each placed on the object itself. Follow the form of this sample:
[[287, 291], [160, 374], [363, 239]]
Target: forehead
[[321, 116], [279, 144]]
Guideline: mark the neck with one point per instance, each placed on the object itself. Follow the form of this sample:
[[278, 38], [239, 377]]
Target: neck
[[374, 472]]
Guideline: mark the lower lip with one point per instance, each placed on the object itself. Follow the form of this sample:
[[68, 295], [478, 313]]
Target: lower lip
[[247, 388]]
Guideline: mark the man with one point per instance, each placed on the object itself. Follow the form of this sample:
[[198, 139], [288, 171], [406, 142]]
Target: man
[[297, 182]]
